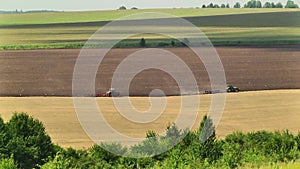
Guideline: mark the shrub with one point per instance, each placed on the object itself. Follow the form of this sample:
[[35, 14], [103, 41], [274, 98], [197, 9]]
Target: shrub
[[108, 152], [162, 44], [59, 162], [8, 164]]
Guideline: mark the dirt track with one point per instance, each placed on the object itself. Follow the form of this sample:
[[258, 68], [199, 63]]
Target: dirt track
[[49, 72]]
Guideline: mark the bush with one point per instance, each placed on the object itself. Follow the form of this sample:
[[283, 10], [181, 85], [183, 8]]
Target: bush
[[59, 162], [114, 153], [8, 163], [259, 147], [163, 44]]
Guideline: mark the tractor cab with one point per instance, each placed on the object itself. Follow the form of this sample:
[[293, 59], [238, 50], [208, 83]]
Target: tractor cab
[[231, 88]]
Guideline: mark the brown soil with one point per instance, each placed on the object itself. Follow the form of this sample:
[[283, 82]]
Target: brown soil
[[49, 72]]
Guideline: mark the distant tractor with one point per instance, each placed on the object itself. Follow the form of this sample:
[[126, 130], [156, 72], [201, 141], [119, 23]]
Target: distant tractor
[[110, 93], [231, 88]]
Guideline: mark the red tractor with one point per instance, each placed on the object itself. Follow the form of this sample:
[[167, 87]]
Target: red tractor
[[110, 93]]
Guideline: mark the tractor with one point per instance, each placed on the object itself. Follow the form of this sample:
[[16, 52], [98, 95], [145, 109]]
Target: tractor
[[110, 93], [231, 88]]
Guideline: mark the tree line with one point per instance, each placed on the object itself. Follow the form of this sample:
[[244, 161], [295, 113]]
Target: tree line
[[249, 4], [25, 144], [255, 4]]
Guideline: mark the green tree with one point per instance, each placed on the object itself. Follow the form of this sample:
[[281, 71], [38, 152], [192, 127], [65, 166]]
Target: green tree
[[27, 141], [273, 5], [267, 5], [279, 5], [4, 152], [223, 6], [216, 6], [203, 6], [207, 129], [237, 5], [291, 4], [211, 5], [2, 125], [122, 8], [209, 149], [172, 43], [142, 42], [227, 5], [253, 4], [258, 4]]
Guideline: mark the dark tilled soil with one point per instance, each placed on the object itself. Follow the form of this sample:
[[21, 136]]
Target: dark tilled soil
[[50, 72]]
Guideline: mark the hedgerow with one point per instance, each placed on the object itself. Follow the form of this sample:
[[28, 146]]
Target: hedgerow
[[24, 144]]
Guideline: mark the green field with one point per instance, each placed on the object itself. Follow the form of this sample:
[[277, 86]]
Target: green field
[[92, 16], [222, 26]]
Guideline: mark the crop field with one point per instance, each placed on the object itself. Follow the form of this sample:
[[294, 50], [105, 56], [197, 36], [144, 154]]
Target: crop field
[[50, 72], [222, 26], [93, 16], [245, 111]]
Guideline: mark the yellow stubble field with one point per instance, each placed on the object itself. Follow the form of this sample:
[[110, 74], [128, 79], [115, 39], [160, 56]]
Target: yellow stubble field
[[245, 111]]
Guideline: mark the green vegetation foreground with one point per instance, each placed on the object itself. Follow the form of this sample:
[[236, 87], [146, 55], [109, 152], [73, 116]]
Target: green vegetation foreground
[[24, 144]]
